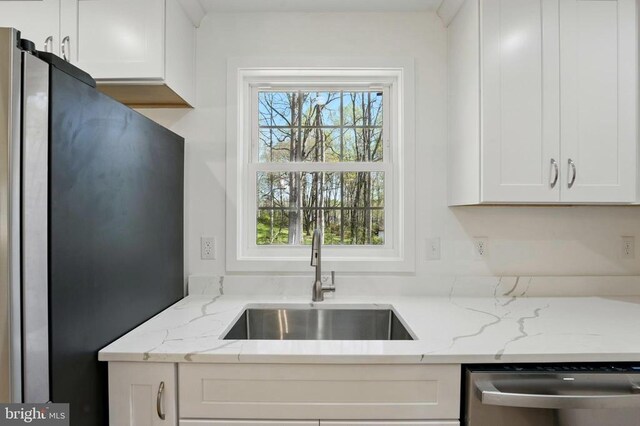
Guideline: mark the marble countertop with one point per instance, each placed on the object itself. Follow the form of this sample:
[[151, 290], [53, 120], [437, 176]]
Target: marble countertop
[[448, 330]]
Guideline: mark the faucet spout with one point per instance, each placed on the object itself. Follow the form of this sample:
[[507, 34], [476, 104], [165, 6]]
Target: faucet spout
[[316, 261], [316, 252]]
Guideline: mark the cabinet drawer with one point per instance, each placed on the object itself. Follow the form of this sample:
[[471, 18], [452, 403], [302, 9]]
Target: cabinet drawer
[[341, 392]]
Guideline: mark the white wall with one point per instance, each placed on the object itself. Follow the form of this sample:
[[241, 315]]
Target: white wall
[[522, 240]]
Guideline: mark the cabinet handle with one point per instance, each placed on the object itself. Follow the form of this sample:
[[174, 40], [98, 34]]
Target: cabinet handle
[[572, 164], [64, 46], [558, 398], [48, 44], [159, 401], [556, 173]]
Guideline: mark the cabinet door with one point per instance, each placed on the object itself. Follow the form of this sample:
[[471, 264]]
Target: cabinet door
[[38, 21], [598, 50], [116, 39], [139, 393], [520, 96]]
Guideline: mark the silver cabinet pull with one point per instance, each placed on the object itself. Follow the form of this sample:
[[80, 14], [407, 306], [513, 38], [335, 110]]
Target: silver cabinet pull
[[490, 395], [159, 401], [64, 47], [556, 174], [572, 164], [48, 44]]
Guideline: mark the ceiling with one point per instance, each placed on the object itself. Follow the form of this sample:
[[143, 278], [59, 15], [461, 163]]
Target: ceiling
[[319, 5]]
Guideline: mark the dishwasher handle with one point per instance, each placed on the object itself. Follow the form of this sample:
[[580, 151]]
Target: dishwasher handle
[[490, 395]]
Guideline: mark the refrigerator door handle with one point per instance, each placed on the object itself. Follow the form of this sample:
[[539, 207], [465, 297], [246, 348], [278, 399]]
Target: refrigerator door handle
[[35, 230], [489, 394]]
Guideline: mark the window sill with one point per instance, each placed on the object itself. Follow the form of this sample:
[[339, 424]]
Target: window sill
[[302, 264]]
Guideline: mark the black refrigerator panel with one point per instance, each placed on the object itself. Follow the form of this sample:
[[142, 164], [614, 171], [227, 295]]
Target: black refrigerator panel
[[115, 235]]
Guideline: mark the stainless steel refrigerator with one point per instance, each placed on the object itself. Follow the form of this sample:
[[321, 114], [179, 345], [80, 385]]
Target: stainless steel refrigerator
[[91, 228]]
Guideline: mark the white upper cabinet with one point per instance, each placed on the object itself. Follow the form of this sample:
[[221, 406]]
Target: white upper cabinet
[[115, 39], [141, 52], [598, 76], [539, 89], [37, 21], [520, 91]]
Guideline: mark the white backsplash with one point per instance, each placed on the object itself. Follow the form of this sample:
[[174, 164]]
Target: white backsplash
[[553, 250], [451, 286]]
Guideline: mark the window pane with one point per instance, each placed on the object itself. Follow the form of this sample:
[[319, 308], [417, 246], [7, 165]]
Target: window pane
[[377, 227], [321, 190], [363, 189], [363, 227], [276, 109], [332, 226], [362, 144], [274, 189], [321, 144], [320, 109], [275, 144], [349, 206], [362, 108], [273, 227]]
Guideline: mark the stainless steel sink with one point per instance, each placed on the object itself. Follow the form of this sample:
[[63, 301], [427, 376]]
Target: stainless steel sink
[[318, 323]]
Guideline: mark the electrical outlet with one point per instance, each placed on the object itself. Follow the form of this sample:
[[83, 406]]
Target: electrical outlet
[[628, 247], [208, 248], [433, 248], [481, 247]]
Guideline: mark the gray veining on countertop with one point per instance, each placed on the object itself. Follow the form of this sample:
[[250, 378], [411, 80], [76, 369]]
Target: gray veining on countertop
[[501, 328]]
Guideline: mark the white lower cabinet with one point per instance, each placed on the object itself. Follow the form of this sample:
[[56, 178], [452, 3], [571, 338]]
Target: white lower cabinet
[[283, 394], [142, 394]]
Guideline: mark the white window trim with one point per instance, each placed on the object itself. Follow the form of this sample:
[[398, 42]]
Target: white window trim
[[243, 75]]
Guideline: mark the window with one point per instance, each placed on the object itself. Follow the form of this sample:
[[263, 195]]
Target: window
[[319, 162], [318, 147]]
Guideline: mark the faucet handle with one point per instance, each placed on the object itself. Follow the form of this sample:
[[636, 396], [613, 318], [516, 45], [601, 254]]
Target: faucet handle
[[325, 278]]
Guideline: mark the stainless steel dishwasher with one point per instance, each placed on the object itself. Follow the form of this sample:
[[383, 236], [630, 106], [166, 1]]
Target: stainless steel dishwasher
[[552, 395]]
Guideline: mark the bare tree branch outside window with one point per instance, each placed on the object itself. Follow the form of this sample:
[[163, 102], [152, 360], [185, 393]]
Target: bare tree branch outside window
[[306, 127]]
